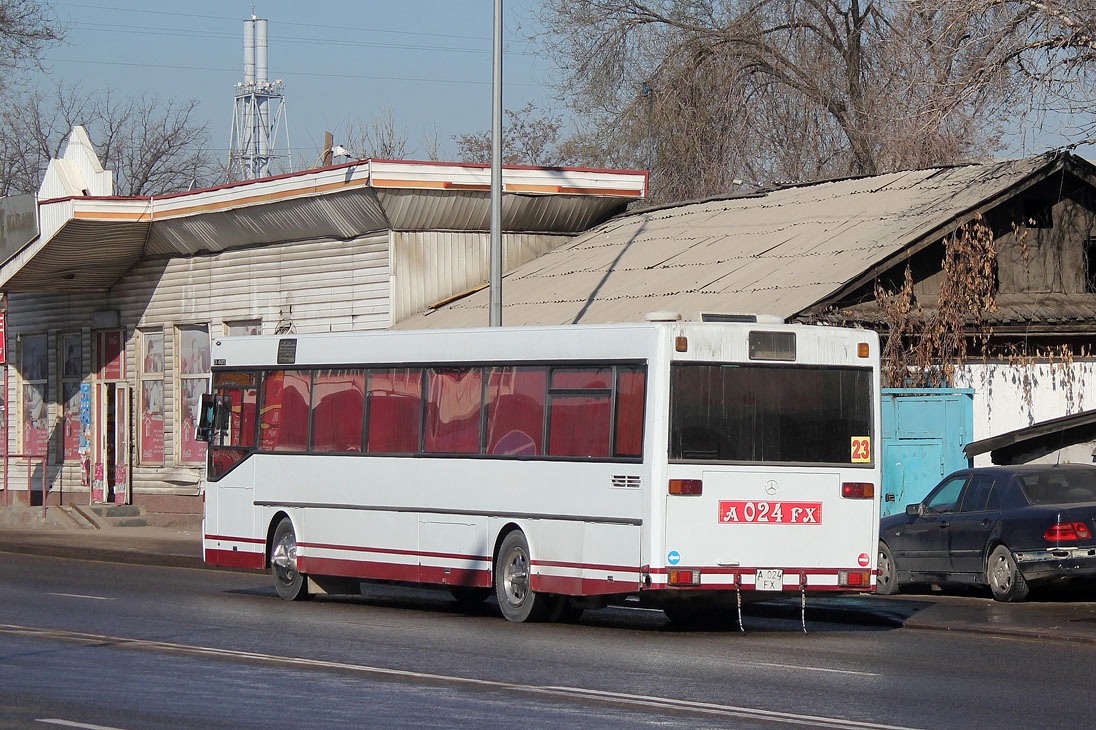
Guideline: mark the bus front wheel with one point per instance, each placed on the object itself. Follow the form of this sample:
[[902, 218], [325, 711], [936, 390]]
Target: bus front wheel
[[513, 572], [288, 581]]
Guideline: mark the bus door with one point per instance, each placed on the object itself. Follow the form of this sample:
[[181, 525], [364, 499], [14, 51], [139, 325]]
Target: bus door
[[111, 422]]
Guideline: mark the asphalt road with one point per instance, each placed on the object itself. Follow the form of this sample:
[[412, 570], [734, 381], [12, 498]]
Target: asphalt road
[[108, 645]]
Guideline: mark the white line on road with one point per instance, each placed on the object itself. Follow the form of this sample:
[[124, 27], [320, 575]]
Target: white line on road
[[77, 595], [70, 723], [589, 695]]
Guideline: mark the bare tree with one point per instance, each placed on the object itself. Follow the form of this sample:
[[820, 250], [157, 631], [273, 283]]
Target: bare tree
[[379, 137], [153, 147], [27, 28], [529, 137], [709, 92]]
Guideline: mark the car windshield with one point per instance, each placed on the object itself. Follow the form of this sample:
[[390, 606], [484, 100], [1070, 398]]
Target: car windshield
[[1060, 487]]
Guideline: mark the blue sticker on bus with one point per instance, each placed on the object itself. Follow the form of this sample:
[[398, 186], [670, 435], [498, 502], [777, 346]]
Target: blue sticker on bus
[[673, 557]]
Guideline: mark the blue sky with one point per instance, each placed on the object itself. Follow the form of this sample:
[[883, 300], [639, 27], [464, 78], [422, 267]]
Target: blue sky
[[429, 61], [342, 61]]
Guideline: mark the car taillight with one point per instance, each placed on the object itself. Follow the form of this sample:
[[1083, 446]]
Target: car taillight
[[691, 487], [1066, 531], [858, 490]]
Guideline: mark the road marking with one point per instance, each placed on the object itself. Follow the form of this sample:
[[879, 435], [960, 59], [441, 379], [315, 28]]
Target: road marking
[[589, 695], [70, 723], [77, 595]]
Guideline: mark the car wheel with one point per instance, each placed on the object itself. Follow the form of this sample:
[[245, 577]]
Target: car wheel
[[1004, 577], [288, 581], [513, 573], [886, 582]]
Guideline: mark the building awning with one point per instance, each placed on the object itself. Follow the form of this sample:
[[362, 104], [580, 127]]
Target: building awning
[[1042, 438], [88, 242]]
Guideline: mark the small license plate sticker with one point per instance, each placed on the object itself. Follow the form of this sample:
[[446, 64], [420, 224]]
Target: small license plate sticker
[[769, 579]]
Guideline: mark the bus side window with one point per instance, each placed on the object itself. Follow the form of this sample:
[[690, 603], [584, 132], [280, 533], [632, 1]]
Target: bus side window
[[515, 411], [630, 393], [395, 411], [579, 415], [454, 408], [285, 411], [338, 411]]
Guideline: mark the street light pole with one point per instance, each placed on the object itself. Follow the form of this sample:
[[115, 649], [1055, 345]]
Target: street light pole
[[496, 173]]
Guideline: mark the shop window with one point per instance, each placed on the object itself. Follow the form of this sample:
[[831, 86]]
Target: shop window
[[243, 327], [70, 347], [338, 410], [454, 400], [515, 411], [192, 358], [34, 368], [395, 411], [152, 397]]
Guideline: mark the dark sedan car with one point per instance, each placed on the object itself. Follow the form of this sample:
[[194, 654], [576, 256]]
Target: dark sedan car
[[1008, 527]]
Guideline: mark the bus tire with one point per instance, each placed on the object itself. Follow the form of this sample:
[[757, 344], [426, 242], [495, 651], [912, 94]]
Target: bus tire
[[517, 601], [291, 584]]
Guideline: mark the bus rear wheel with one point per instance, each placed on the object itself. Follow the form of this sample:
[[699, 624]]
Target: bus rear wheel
[[517, 601], [290, 583]]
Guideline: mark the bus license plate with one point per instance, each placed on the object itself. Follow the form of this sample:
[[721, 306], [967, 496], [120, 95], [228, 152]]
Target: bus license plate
[[769, 579]]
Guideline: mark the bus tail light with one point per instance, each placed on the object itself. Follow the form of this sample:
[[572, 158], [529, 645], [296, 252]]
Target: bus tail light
[[858, 490], [676, 577], [691, 487], [854, 578], [1067, 531]]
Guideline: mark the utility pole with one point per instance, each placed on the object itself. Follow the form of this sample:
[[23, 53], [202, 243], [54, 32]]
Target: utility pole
[[496, 173]]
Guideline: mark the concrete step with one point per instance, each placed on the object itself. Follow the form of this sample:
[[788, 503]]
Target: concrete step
[[119, 515]]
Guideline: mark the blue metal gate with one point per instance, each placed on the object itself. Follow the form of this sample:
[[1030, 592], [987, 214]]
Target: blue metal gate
[[924, 431]]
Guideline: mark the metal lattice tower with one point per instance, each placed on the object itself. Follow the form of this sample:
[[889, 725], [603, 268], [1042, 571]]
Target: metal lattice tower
[[258, 116]]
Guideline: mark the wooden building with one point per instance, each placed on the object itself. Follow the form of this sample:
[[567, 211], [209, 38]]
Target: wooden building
[[110, 308]]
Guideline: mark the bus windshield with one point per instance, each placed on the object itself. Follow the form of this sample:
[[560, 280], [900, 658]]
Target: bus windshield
[[767, 413]]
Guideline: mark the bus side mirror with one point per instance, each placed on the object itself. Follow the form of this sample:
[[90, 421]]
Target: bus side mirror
[[213, 418]]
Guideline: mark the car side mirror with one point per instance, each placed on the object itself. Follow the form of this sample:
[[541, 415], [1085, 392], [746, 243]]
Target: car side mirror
[[913, 510]]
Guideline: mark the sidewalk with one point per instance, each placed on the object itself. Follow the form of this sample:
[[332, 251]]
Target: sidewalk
[[1059, 615]]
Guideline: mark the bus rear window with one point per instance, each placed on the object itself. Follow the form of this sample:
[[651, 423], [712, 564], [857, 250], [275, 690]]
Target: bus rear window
[[764, 413]]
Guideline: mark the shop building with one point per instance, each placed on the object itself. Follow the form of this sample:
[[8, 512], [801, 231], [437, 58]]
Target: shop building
[[110, 308]]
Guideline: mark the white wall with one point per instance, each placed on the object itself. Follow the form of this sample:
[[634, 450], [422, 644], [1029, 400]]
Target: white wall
[[1012, 396]]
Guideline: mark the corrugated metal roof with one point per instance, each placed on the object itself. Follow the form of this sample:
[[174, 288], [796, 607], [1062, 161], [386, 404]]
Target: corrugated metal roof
[[91, 241], [779, 252]]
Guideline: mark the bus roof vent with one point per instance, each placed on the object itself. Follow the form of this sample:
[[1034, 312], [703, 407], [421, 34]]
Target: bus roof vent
[[663, 316], [732, 317], [726, 317]]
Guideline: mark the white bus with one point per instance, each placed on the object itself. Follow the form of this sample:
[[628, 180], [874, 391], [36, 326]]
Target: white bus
[[671, 463]]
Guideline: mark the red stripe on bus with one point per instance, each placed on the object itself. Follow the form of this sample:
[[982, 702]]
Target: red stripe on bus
[[708, 570], [569, 586], [811, 588], [393, 551], [229, 538], [586, 566], [393, 571], [235, 559]]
